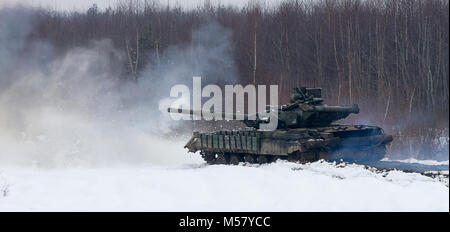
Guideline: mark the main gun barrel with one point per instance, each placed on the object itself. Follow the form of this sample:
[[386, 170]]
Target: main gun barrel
[[183, 111], [342, 109], [223, 114]]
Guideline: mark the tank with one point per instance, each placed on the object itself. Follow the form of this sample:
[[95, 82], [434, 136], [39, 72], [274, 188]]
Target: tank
[[306, 132]]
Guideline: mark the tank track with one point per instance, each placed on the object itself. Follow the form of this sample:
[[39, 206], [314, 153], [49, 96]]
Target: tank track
[[374, 153]]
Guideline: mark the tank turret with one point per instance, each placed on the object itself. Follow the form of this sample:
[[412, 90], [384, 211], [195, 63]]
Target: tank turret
[[306, 109]]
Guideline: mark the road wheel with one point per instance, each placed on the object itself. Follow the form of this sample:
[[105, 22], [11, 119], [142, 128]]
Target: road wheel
[[309, 157], [235, 159], [261, 159], [210, 158], [249, 159], [294, 157], [274, 159], [221, 159]]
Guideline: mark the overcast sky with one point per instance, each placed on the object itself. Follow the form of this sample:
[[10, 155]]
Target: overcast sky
[[69, 5]]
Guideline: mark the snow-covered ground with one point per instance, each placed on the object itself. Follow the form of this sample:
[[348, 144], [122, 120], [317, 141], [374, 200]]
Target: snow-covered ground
[[148, 173], [416, 161], [193, 186]]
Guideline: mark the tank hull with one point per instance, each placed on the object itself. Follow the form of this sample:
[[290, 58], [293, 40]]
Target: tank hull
[[333, 142]]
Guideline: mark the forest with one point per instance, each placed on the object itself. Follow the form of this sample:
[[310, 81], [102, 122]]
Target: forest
[[389, 56]]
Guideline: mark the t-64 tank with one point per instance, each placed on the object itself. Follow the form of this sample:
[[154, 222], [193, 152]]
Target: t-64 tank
[[305, 133]]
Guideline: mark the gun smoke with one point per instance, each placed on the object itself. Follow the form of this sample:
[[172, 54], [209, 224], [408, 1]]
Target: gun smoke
[[75, 109]]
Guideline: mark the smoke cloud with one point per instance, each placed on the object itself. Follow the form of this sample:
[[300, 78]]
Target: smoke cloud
[[75, 109]]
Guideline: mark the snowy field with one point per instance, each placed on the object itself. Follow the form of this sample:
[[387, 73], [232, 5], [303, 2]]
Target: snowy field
[[99, 167], [75, 137], [193, 186]]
